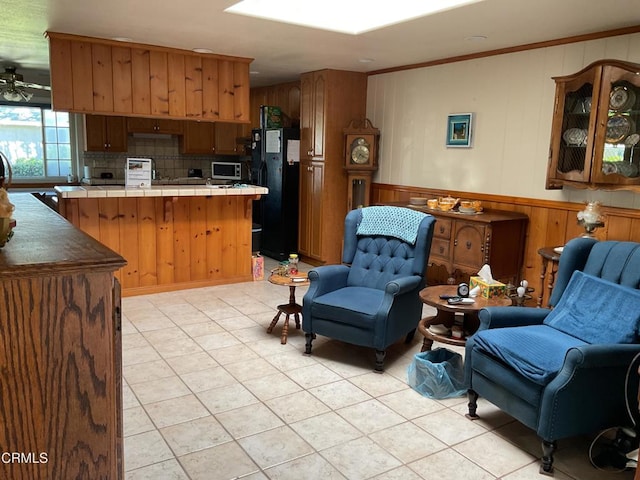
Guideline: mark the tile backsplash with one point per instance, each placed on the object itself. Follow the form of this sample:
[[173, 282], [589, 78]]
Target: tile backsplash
[[170, 163]]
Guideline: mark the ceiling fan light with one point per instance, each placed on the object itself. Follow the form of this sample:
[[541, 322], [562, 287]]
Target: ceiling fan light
[[11, 96], [16, 95]]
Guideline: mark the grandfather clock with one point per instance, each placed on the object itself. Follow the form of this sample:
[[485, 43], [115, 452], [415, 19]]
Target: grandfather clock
[[361, 160]]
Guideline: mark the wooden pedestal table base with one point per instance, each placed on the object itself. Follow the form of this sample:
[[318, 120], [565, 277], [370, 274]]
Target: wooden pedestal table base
[[291, 308], [446, 315]]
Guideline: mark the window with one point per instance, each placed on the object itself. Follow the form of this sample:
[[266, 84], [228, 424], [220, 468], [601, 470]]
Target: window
[[37, 142]]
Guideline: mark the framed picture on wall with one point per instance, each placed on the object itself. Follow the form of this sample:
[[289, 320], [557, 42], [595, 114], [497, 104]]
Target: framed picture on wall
[[460, 130]]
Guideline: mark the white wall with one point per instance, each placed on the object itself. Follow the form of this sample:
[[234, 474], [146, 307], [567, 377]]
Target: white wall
[[512, 98]]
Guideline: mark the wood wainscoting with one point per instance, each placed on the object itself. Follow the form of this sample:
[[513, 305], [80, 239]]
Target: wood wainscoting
[[551, 223]]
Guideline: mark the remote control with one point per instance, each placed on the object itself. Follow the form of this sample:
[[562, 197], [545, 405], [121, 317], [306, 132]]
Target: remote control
[[460, 300], [447, 297]]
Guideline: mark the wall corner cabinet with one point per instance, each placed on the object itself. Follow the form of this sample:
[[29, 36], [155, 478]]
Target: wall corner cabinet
[[329, 101], [595, 137], [60, 367]]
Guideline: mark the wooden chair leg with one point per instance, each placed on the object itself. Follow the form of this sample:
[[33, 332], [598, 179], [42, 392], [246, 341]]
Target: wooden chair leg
[[472, 396], [285, 330], [410, 335], [309, 338], [274, 321], [380, 354], [548, 448]]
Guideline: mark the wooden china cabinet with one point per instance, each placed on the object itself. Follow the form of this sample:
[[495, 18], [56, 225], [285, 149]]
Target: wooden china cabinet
[[596, 128]]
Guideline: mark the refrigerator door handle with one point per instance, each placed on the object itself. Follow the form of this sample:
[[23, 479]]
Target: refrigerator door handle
[[262, 174]]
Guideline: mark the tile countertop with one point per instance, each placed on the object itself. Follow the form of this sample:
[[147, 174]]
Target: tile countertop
[[68, 191]]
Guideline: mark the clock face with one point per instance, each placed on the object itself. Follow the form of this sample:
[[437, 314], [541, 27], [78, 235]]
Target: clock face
[[463, 290], [360, 151]]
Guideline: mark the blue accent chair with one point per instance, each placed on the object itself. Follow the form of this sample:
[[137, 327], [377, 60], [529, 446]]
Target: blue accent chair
[[371, 299], [562, 372]]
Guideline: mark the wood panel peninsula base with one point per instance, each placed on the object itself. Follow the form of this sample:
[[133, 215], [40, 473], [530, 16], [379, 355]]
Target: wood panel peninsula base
[[172, 236]]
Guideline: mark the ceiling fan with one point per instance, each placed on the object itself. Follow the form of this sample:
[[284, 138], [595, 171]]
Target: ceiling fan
[[13, 87]]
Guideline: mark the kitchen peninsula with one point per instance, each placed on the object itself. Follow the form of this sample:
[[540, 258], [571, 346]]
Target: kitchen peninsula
[[172, 236]]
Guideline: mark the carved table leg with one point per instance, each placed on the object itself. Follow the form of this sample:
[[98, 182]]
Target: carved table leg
[[543, 273]]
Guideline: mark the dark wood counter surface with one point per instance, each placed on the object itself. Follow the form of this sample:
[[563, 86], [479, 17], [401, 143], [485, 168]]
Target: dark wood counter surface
[[43, 241]]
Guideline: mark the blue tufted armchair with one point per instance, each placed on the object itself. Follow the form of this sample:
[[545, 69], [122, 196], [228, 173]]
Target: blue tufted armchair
[[372, 299], [562, 372]]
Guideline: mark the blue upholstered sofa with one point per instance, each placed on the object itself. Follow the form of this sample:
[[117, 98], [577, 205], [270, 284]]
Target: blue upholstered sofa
[[372, 299], [562, 372]]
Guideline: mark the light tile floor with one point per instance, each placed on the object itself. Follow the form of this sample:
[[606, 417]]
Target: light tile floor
[[209, 395]]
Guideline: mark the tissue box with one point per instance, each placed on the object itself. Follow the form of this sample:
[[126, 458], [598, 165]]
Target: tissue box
[[488, 290]]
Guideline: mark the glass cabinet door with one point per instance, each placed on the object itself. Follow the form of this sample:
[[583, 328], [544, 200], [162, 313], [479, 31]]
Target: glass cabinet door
[[574, 121], [617, 152]]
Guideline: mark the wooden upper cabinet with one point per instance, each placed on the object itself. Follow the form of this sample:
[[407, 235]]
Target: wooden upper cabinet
[[226, 135], [91, 75], [312, 120], [105, 133], [207, 138], [198, 138], [153, 125], [284, 95]]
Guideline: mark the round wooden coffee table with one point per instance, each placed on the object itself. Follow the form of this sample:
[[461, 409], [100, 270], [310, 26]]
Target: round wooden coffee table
[[446, 315], [291, 308]]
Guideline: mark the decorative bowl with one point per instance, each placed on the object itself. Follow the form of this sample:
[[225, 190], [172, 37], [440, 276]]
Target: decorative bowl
[[417, 201]]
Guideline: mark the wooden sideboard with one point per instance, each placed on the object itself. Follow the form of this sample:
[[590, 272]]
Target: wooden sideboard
[[60, 351], [463, 243]]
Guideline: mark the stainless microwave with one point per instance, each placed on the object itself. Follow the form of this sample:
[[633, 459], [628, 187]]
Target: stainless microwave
[[226, 170]]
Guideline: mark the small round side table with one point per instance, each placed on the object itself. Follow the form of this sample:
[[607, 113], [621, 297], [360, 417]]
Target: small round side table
[[446, 313], [291, 308]]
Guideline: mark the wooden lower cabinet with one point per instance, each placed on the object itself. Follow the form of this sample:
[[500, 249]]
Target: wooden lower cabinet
[[60, 360], [493, 237], [462, 244]]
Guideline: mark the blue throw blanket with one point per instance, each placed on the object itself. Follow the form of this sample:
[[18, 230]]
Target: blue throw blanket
[[591, 311], [388, 221], [597, 310]]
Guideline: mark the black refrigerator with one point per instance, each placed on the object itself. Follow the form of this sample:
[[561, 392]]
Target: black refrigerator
[[275, 167]]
